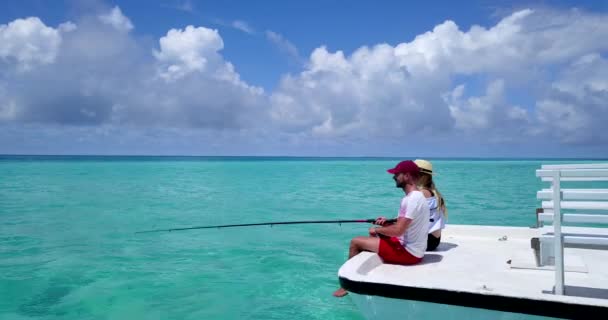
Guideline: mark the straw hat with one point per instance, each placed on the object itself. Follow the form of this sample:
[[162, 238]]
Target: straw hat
[[425, 166]]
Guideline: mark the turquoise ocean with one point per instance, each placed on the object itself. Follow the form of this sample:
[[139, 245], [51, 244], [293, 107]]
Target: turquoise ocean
[[68, 248]]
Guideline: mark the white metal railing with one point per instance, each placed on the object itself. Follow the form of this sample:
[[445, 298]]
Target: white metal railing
[[572, 172], [574, 218], [575, 194], [575, 166]]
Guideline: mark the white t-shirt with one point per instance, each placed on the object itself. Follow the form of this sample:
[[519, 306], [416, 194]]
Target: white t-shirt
[[415, 207], [437, 220]]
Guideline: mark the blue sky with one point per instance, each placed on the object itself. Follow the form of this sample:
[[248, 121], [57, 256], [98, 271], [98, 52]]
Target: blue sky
[[313, 78]]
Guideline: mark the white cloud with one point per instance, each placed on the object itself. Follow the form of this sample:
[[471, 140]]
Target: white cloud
[[239, 25], [283, 44], [188, 50], [562, 116], [576, 109], [29, 42], [118, 80], [8, 108], [195, 50], [522, 40], [474, 112], [484, 112], [322, 60], [366, 94], [116, 19], [243, 26], [517, 113], [186, 6], [67, 26], [395, 90], [586, 74]]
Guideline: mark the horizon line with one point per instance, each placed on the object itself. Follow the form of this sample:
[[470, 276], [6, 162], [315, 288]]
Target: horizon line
[[305, 156]]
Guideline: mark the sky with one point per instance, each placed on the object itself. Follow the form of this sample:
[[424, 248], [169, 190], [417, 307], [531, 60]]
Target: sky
[[304, 78]]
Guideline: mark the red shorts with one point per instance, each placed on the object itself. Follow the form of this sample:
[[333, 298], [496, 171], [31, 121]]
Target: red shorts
[[391, 251]]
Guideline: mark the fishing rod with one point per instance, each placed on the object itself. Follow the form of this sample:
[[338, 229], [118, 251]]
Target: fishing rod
[[268, 224]]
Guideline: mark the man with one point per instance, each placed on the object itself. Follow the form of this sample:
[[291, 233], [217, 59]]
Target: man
[[403, 242]]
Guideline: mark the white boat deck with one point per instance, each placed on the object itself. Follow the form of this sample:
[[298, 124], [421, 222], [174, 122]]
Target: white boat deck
[[494, 261]]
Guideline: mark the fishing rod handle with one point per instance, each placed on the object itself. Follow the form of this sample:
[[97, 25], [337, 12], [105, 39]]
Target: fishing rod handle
[[388, 221]]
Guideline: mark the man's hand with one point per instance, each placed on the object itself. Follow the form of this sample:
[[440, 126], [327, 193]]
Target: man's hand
[[372, 232], [380, 221]]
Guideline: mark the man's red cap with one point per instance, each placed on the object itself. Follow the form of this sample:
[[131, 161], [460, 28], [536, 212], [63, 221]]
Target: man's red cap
[[407, 166]]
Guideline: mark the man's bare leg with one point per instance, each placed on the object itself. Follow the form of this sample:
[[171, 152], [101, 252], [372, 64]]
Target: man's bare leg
[[357, 245]]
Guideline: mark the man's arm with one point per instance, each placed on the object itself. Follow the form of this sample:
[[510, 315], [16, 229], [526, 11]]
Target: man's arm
[[397, 229]]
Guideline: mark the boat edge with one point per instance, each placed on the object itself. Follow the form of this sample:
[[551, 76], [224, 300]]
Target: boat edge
[[547, 308]]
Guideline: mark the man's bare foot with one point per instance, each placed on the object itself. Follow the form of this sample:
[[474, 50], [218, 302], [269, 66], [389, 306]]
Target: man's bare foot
[[340, 293]]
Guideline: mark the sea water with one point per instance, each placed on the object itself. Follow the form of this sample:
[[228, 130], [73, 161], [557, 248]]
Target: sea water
[[68, 248]]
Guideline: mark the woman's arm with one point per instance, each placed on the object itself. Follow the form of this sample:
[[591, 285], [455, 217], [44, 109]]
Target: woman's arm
[[426, 193]]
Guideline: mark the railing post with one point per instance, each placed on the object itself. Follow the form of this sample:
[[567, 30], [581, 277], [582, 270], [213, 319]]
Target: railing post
[[557, 234]]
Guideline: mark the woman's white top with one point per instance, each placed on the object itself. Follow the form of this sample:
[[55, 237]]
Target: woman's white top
[[437, 220]]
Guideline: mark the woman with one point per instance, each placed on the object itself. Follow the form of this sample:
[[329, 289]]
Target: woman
[[435, 201]]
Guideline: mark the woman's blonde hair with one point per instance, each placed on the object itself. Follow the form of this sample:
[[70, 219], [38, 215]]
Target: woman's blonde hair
[[425, 181]]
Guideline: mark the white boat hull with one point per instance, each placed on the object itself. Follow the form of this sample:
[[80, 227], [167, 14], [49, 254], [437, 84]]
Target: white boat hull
[[382, 308]]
